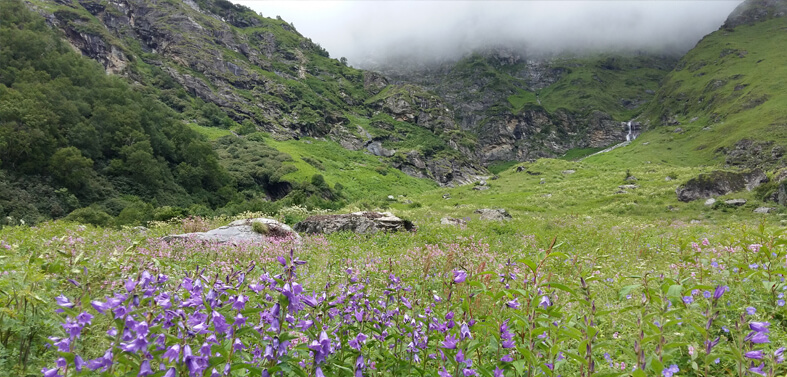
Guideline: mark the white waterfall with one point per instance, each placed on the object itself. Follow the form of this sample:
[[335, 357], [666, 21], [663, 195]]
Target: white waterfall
[[629, 135]]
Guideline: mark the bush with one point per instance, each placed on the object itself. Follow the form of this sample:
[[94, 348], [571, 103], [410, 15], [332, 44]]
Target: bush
[[167, 213], [261, 228], [90, 215]]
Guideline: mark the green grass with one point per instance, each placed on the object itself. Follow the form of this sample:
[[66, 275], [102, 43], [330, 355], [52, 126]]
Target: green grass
[[501, 166], [212, 133], [577, 153], [362, 175], [703, 87]]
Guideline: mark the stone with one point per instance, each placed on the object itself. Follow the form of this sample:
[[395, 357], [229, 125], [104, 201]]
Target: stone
[[481, 188], [356, 222], [446, 196], [542, 181], [452, 221], [376, 148], [497, 214], [646, 143], [631, 179], [695, 222], [240, 232], [719, 183], [735, 202], [710, 202], [391, 197], [678, 130], [569, 171], [764, 210], [546, 195], [482, 183], [628, 187]]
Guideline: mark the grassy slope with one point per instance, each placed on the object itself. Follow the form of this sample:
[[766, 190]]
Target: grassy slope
[[599, 83], [750, 58], [363, 176], [590, 191]]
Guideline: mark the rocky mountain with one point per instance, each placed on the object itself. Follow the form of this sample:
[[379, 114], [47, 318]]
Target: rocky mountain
[[197, 56], [522, 108]]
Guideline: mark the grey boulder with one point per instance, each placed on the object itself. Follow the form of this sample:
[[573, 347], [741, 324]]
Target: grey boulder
[[357, 222], [240, 231], [497, 214]]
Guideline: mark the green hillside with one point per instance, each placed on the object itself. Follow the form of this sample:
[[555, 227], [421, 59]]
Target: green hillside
[[729, 87]]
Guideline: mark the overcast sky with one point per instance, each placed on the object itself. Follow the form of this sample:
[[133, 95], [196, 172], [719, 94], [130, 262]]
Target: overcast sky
[[427, 30]]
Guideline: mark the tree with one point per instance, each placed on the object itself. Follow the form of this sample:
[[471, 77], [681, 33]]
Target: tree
[[71, 169]]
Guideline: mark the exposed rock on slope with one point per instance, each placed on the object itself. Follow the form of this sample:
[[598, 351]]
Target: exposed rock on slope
[[719, 183], [240, 231], [522, 109], [358, 222]]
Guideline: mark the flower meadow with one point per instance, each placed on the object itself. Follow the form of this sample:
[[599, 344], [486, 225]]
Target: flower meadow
[[489, 300]]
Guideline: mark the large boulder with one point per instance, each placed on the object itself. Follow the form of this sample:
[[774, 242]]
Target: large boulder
[[241, 231], [357, 222], [497, 214], [719, 183]]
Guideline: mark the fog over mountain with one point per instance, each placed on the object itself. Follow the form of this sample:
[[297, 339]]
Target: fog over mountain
[[368, 32]]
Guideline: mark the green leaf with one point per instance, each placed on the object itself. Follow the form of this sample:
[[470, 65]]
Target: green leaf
[[675, 291]]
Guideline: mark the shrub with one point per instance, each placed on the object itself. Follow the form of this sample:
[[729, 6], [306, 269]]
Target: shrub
[[90, 215], [260, 227]]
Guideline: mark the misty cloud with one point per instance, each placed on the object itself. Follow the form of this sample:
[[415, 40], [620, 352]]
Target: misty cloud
[[376, 31]]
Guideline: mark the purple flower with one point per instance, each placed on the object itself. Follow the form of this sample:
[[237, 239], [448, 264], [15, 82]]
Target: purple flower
[[758, 369], [51, 372], [545, 302], [459, 276], [238, 345], [758, 338], [100, 307], [506, 358], [751, 310], [79, 363], [688, 300], [668, 372], [84, 318], [759, 326], [64, 302], [444, 373], [131, 284], [779, 355], [173, 353], [464, 331], [498, 372], [144, 369], [240, 302], [469, 372], [756, 355], [450, 342], [219, 323], [138, 344], [706, 294], [170, 372], [513, 304], [719, 292]]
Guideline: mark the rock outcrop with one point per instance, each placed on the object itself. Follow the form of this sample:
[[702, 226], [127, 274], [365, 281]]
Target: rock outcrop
[[357, 222], [497, 214], [719, 183], [240, 231]]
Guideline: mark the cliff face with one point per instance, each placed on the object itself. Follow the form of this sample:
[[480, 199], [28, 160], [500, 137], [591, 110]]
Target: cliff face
[[524, 108]]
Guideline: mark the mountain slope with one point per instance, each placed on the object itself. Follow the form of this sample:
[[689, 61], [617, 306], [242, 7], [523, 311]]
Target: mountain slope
[[522, 108], [725, 101], [209, 58]]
